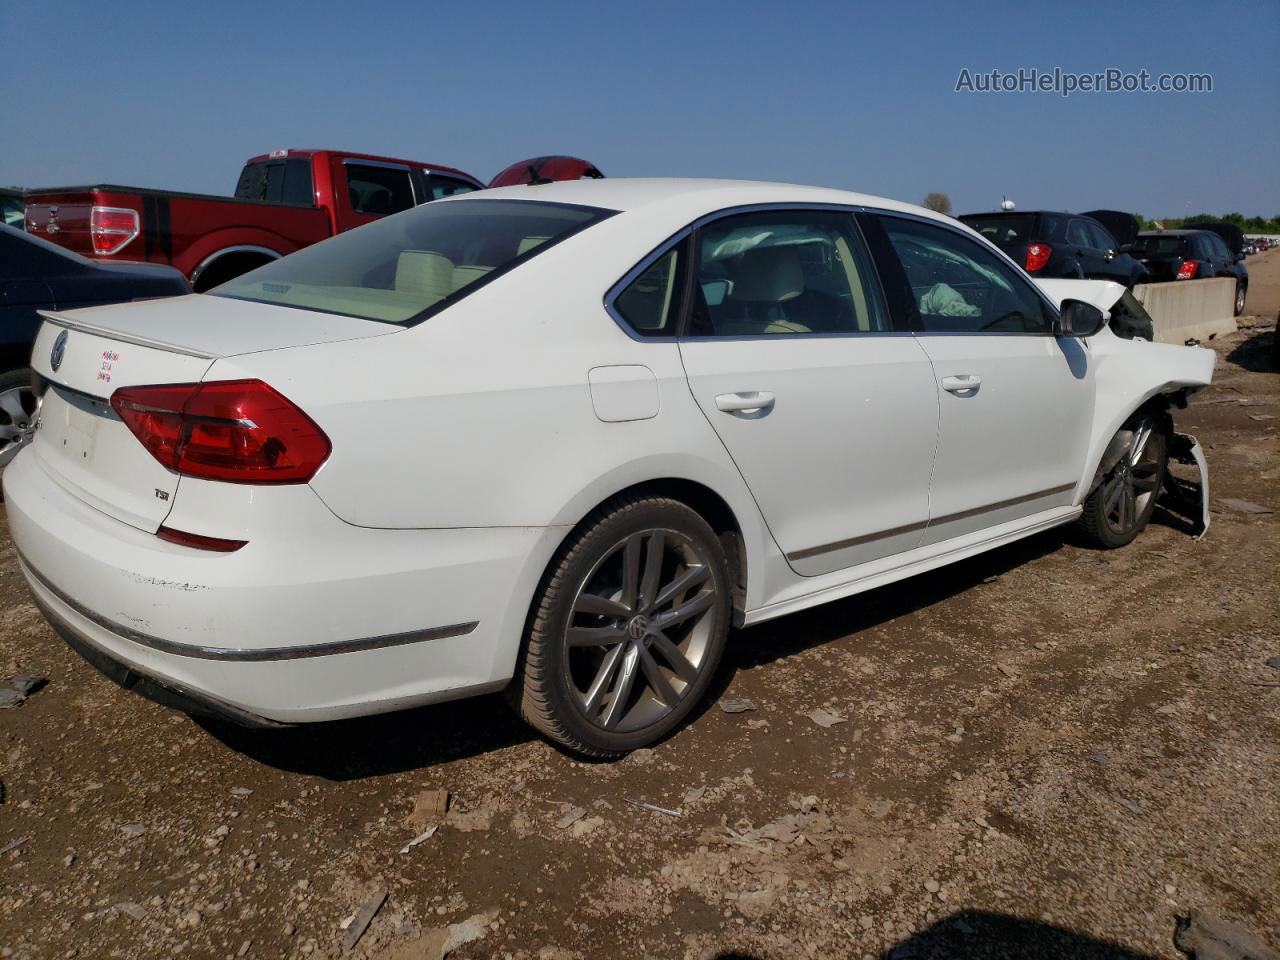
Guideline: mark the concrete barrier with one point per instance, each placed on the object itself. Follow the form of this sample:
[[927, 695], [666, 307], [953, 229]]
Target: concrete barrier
[[1183, 310]]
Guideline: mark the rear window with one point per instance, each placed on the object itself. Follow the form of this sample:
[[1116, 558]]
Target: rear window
[[280, 181], [1159, 246], [407, 267], [1004, 231]]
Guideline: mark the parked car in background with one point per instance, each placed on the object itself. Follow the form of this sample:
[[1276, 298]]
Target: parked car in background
[[555, 440], [13, 204], [1250, 248], [546, 170], [37, 275], [283, 201], [1050, 244], [1191, 255]]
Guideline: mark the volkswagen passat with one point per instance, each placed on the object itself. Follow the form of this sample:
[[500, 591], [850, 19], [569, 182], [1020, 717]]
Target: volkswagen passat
[[555, 440]]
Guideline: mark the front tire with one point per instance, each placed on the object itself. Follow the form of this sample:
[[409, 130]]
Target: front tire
[[628, 629], [1241, 293], [1121, 506]]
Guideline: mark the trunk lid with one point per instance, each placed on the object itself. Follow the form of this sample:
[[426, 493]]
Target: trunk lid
[[86, 355]]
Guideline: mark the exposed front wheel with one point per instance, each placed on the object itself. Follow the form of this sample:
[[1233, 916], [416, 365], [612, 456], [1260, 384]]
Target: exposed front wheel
[[628, 630], [1119, 509], [1241, 292]]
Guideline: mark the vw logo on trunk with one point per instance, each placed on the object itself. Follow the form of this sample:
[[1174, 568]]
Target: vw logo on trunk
[[59, 348]]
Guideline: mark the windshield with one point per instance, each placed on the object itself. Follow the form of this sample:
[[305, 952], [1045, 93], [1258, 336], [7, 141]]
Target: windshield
[[1003, 230], [404, 268]]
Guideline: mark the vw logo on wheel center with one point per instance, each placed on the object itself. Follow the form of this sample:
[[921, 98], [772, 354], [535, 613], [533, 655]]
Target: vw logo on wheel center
[[59, 348]]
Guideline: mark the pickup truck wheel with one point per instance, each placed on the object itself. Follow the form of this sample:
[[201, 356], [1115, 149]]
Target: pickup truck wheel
[[1119, 509], [1241, 293], [628, 629], [18, 408]]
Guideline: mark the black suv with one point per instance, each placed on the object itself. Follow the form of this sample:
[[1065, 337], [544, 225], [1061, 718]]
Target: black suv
[[1049, 244], [1191, 255]]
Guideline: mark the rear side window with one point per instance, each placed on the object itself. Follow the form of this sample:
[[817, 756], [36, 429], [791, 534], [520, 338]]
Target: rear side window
[[1101, 239], [378, 190], [447, 186], [650, 303], [784, 272], [403, 269], [1078, 233], [959, 286]]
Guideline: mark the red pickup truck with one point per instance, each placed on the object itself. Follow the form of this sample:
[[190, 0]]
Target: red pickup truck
[[284, 200]]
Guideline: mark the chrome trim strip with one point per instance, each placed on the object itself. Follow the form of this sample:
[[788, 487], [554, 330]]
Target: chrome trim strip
[[955, 226], [238, 248], [59, 320], [808, 552], [245, 654]]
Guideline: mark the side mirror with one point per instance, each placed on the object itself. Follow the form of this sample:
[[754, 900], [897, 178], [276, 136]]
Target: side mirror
[[1079, 319]]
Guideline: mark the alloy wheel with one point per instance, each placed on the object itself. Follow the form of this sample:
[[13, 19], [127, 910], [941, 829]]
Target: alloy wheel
[[640, 630], [18, 409], [1239, 299], [1135, 479]]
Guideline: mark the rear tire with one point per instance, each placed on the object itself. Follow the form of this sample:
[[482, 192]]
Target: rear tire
[[18, 409], [1121, 506], [628, 629]]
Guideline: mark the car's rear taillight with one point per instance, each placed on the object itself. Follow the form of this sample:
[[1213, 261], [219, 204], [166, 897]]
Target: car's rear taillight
[[238, 431], [110, 228], [1188, 269], [200, 541], [1037, 256]]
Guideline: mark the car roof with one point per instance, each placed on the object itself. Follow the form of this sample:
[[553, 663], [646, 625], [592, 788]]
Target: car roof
[[694, 197], [1171, 233]]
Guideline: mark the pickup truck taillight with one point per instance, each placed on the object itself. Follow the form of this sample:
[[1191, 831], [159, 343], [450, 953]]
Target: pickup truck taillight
[[1037, 256], [1188, 269], [237, 431], [110, 228]]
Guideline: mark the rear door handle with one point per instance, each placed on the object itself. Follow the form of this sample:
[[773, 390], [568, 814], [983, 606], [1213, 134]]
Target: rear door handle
[[746, 403], [967, 384]]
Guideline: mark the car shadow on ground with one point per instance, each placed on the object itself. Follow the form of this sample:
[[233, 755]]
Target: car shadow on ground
[[980, 935], [423, 737], [1256, 353]]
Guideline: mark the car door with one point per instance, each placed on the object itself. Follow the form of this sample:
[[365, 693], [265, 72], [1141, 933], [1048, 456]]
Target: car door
[[829, 413], [1112, 265], [1015, 401], [1086, 253]]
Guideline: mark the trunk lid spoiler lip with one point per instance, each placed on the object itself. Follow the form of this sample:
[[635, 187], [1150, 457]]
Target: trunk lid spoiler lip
[[70, 323]]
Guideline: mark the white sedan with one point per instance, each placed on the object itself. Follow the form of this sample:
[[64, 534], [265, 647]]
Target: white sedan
[[556, 440]]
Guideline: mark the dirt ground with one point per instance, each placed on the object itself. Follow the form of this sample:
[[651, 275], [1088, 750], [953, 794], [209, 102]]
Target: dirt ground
[[1045, 751]]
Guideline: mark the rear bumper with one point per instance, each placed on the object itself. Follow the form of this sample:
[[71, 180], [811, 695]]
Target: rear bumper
[[313, 620]]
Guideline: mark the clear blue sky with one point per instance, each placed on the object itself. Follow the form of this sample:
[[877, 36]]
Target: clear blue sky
[[859, 96]]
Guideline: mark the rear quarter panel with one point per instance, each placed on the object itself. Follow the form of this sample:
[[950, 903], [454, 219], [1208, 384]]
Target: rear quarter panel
[[483, 416]]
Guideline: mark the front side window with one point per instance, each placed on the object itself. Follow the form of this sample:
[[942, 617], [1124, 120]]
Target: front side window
[[961, 287], [378, 190], [784, 272], [404, 268]]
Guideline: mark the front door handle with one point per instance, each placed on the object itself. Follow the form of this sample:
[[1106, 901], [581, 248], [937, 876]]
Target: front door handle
[[965, 384], [746, 403]]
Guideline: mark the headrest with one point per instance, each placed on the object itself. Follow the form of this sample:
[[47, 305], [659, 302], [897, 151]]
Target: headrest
[[425, 273], [768, 274]]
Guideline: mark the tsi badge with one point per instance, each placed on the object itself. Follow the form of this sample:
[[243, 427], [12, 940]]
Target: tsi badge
[[59, 348]]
